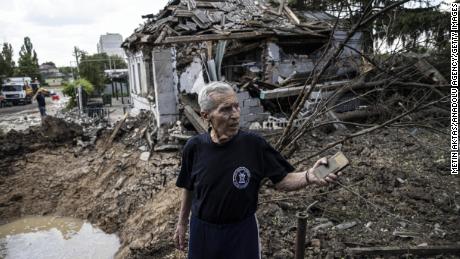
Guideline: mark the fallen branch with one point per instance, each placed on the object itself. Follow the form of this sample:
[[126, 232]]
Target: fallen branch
[[369, 130], [281, 144]]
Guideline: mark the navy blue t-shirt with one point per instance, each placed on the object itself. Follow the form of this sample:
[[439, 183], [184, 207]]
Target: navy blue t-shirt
[[225, 178]]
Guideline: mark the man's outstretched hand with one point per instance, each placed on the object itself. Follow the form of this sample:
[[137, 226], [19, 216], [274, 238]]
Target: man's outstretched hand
[[313, 179]]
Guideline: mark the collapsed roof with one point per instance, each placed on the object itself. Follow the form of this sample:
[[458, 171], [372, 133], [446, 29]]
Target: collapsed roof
[[231, 19]]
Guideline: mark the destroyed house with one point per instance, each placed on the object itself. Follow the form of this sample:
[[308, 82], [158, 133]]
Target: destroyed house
[[265, 51]]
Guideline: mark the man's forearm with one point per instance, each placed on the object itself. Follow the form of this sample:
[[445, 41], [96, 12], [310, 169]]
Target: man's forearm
[[293, 182], [186, 204]]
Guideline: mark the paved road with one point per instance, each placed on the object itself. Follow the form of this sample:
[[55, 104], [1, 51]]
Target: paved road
[[33, 107], [21, 108], [20, 117]]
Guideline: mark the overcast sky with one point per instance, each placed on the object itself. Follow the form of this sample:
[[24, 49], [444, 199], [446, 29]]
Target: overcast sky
[[56, 26]]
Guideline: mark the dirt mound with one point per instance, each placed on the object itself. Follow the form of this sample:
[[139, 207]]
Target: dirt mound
[[58, 130], [51, 133]]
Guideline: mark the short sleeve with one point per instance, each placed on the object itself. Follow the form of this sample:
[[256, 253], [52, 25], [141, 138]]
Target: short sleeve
[[184, 180], [275, 166]]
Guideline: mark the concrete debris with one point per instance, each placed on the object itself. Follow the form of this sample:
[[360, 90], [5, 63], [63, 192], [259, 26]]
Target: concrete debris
[[405, 234], [315, 243], [164, 148], [323, 226], [346, 225], [401, 181], [145, 156], [438, 231], [322, 220]]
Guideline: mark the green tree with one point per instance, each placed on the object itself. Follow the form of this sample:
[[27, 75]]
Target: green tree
[[6, 61], [92, 67], [68, 71], [70, 90], [419, 24], [28, 61], [116, 62], [49, 63]]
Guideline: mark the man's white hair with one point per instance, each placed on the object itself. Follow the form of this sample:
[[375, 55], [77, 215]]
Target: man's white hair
[[205, 101]]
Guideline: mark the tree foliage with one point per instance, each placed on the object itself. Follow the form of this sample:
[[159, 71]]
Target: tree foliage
[[418, 25], [7, 63], [92, 67], [28, 61], [70, 90], [49, 63]]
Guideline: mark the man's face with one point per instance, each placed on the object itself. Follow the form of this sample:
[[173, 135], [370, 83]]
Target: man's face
[[225, 118]]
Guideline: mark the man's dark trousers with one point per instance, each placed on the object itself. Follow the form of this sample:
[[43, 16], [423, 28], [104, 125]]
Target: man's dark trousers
[[224, 241]]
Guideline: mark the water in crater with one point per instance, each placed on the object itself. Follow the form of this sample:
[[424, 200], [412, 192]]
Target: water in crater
[[55, 237]]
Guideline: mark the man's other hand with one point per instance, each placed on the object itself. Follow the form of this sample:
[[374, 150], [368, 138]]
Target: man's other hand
[[179, 236]]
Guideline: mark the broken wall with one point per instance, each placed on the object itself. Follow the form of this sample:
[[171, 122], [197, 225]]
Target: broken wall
[[192, 79], [251, 110], [165, 81]]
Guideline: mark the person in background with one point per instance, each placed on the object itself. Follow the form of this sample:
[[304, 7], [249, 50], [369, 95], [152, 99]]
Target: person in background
[[41, 102]]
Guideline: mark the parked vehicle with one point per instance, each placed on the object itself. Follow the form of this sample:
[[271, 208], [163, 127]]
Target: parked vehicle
[[19, 90], [17, 93]]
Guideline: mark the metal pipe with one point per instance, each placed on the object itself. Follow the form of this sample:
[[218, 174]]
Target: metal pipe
[[301, 233]]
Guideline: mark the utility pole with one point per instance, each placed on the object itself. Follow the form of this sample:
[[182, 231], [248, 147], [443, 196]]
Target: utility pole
[[76, 53]]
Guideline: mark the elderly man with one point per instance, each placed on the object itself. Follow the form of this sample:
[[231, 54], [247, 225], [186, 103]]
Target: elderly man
[[221, 174]]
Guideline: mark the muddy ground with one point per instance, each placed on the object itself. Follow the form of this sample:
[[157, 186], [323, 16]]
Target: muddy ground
[[407, 195]]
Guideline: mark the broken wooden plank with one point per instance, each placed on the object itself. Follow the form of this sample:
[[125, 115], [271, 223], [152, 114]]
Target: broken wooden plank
[[183, 13], [281, 7], [430, 71], [291, 91], [291, 15], [208, 37], [161, 37], [419, 250], [115, 131], [334, 117], [198, 123], [171, 30], [180, 136]]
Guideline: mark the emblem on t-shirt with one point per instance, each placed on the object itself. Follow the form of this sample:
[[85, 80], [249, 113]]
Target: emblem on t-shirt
[[241, 177]]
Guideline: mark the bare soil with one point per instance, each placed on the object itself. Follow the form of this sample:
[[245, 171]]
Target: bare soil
[[403, 179]]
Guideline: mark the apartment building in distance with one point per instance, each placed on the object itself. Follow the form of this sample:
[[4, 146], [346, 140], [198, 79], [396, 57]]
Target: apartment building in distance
[[110, 43]]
